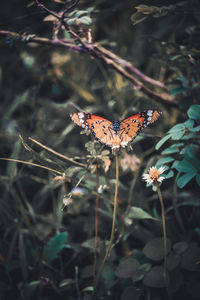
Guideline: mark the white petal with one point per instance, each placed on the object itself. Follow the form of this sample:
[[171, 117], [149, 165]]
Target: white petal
[[161, 170]]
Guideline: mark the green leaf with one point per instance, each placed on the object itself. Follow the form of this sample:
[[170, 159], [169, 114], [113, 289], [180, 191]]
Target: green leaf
[[184, 166], [154, 249], [177, 131], [88, 289], [86, 20], [177, 135], [177, 128], [80, 13], [170, 150], [194, 112], [162, 141], [71, 21], [164, 160], [177, 90], [195, 129], [184, 179], [189, 123], [108, 273], [138, 213], [168, 175], [127, 268], [54, 246], [189, 136]]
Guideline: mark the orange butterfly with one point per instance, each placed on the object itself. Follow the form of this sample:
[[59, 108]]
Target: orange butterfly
[[115, 134]]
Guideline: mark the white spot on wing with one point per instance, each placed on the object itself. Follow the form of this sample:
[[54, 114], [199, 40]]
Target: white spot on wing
[[81, 115], [150, 113], [124, 144]]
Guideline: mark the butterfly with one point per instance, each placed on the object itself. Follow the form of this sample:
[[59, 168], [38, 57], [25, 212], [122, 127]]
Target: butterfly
[[115, 134]]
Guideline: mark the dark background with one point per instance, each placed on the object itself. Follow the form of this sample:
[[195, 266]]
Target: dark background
[[39, 86]]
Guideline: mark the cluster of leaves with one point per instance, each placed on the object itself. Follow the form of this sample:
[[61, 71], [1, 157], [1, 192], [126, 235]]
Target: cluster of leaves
[[183, 154]]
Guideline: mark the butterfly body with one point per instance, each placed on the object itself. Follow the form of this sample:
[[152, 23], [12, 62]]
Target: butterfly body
[[115, 134]]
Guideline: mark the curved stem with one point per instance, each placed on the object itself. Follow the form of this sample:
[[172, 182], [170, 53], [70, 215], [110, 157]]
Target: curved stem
[[113, 227]]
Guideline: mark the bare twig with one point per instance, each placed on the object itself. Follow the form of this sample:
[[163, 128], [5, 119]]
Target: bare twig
[[58, 154]]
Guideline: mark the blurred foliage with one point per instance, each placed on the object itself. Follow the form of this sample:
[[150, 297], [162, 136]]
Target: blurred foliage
[[46, 250]]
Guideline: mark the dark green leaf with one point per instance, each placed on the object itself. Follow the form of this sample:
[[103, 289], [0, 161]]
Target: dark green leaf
[[127, 268], [190, 155], [180, 247], [164, 160], [194, 112], [54, 246], [154, 249], [170, 150], [154, 278], [177, 90], [189, 136], [177, 135], [184, 166], [189, 123], [162, 141], [173, 260], [195, 129], [177, 128], [168, 175], [108, 273], [184, 179], [190, 258], [138, 213]]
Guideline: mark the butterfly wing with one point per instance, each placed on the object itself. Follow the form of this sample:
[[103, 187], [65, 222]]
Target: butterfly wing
[[132, 126], [103, 129], [100, 127]]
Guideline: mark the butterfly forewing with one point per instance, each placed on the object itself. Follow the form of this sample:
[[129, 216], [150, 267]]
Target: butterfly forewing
[[146, 117]]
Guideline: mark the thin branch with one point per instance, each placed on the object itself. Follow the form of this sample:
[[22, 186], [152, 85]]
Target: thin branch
[[58, 154], [69, 8], [32, 164], [130, 67]]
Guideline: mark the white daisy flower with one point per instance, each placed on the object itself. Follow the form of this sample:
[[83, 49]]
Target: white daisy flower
[[154, 176]]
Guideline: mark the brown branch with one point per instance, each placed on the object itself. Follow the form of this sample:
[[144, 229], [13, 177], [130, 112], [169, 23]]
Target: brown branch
[[130, 67], [122, 66]]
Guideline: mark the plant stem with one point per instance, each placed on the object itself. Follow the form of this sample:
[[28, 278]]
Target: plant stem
[[166, 277], [96, 224], [113, 228]]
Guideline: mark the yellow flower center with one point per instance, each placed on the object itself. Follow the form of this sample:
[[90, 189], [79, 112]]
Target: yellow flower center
[[154, 174]]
